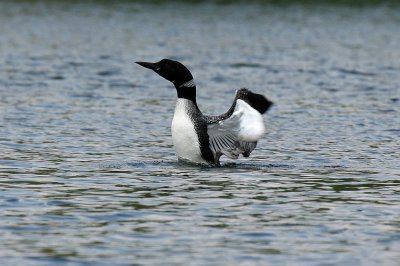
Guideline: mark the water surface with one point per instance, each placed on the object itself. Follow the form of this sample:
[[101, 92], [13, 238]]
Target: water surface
[[87, 169]]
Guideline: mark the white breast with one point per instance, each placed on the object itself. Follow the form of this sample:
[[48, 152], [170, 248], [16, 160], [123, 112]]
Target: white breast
[[184, 137]]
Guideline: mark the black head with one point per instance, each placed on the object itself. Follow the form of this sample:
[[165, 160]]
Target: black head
[[170, 70]]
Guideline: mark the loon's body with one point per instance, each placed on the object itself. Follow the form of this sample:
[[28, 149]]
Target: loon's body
[[187, 131], [203, 139]]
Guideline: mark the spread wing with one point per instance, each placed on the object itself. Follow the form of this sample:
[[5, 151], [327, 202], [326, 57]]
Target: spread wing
[[236, 134]]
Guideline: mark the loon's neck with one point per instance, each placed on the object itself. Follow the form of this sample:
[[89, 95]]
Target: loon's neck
[[187, 91]]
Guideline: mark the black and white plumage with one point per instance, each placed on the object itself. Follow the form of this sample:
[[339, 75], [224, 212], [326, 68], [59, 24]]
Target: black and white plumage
[[203, 139]]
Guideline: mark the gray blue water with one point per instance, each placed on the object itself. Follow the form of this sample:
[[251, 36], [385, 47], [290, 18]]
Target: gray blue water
[[88, 174]]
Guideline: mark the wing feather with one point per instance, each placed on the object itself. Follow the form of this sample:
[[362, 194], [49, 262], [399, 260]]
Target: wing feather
[[238, 133]]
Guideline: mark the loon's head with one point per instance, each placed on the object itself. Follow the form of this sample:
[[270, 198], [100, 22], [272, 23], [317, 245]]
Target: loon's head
[[171, 70]]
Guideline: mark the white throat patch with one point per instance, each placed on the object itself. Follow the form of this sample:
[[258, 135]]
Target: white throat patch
[[188, 84]]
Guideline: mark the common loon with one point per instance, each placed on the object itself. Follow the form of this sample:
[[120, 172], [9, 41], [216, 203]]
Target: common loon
[[203, 139]]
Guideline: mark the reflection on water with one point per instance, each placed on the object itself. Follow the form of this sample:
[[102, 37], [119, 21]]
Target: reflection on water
[[87, 168]]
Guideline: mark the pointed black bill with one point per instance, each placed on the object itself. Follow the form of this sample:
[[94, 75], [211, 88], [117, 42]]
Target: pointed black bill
[[148, 65]]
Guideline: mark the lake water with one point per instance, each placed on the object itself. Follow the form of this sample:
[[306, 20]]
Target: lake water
[[88, 174]]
